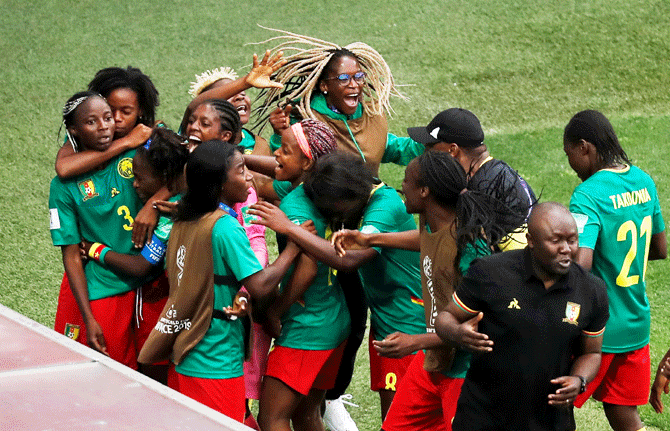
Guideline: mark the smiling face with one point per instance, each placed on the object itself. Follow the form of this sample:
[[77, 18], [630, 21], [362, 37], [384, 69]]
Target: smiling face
[[345, 98], [145, 182], [238, 180], [204, 124], [93, 126], [126, 110], [291, 161], [553, 240]]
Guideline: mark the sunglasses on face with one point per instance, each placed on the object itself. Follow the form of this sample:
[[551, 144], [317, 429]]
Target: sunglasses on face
[[344, 78]]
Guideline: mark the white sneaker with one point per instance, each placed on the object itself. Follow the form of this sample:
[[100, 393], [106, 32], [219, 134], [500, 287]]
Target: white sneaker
[[336, 417]]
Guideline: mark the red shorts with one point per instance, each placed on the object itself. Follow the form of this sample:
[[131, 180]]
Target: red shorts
[[114, 315], [385, 373], [223, 395], [303, 370], [623, 379], [424, 401], [68, 317]]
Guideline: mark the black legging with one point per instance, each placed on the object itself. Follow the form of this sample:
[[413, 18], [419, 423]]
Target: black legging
[[358, 310]]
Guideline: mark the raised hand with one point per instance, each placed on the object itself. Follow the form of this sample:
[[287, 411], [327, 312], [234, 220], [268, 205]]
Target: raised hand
[[261, 73]]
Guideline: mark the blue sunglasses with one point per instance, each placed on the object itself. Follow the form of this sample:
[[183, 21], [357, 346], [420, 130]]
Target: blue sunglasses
[[344, 78]]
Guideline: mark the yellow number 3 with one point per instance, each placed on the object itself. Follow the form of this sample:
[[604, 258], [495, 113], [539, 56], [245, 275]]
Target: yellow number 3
[[125, 212], [624, 279]]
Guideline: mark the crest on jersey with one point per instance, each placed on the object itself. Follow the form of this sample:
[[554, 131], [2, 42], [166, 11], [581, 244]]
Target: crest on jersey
[[125, 168], [72, 331], [87, 189], [571, 313]]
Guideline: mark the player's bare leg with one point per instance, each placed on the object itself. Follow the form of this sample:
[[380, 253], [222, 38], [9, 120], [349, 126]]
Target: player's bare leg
[[385, 398], [623, 418], [277, 404], [307, 416]]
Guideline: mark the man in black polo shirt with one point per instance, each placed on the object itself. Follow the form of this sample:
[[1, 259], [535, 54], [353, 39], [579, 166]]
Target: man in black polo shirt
[[535, 320]]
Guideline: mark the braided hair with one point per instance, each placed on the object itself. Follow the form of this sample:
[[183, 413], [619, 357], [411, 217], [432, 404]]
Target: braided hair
[[311, 63], [485, 211], [69, 111], [336, 178], [592, 126], [166, 155], [112, 78], [206, 172], [320, 138], [228, 116]]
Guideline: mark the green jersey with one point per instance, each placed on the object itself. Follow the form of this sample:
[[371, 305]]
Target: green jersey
[[617, 212], [392, 280], [98, 206], [282, 188], [320, 320], [220, 354], [248, 141]]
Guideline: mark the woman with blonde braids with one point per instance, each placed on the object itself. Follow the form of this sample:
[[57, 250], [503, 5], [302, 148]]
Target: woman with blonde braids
[[348, 88]]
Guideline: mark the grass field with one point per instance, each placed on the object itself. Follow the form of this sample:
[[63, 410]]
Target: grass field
[[523, 67]]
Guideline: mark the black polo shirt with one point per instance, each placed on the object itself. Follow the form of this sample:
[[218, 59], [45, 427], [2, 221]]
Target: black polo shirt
[[536, 333]]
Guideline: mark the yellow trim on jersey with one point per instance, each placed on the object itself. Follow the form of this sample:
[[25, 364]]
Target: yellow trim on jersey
[[625, 169], [463, 306], [594, 334]]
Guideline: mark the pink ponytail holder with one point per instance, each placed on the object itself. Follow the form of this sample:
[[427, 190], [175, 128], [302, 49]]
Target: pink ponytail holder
[[302, 141]]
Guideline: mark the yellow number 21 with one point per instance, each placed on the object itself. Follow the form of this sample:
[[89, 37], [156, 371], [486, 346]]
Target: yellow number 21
[[624, 279]]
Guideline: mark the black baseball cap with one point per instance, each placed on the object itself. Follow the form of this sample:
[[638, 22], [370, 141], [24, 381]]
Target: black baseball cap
[[455, 125]]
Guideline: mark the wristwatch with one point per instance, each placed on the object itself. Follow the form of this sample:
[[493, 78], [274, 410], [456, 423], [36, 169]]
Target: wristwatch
[[582, 388]]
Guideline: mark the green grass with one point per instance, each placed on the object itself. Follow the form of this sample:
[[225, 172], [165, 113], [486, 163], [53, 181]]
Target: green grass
[[523, 67]]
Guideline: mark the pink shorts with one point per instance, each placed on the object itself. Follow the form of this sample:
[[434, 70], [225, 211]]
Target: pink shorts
[[303, 370], [424, 401], [623, 379], [223, 395], [385, 373], [114, 314]]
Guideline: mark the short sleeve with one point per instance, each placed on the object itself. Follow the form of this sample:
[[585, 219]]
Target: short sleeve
[[62, 215], [282, 188], [470, 292], [230, 242], [401, 151], [588, 222], [297, 207]]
